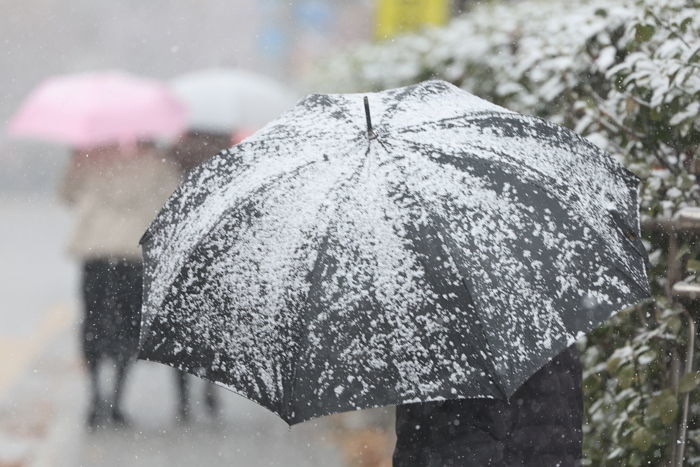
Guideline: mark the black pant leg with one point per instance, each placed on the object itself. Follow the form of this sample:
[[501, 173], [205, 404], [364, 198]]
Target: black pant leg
[[126, 291], [95, 277]]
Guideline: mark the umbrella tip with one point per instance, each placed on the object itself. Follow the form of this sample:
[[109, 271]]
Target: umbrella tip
[[370, 132]]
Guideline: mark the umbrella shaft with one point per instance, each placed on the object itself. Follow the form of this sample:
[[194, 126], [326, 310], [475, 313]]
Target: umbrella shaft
[[370, 132]]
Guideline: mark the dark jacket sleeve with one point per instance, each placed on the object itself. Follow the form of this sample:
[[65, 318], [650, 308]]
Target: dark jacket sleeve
[[540, 426]]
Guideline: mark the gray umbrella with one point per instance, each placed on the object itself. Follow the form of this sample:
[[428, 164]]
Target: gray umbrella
[[450, 251]]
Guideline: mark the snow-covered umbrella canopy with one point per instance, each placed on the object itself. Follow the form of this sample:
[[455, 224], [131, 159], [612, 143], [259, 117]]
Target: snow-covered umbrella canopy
[[449, 252], [225, 100]]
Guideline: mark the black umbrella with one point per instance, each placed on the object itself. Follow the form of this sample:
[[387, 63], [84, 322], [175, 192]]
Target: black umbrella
[[449, 252]]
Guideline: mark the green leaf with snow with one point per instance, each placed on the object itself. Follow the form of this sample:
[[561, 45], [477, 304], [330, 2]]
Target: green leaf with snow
[[689, 382], [664, 407], [644, 32], [641, 439]]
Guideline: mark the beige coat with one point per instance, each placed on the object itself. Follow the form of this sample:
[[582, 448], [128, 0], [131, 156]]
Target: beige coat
[[116, 196]]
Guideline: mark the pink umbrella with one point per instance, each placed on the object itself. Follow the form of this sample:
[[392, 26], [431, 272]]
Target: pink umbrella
[[91, 109]]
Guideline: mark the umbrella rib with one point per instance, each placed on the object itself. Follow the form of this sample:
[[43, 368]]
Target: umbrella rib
[[285, 138], [262, 188], [493, 374], [477, 116], [407, 92], [485, 365], [247, 198], [317, 267], [242, 202], [339, 101], [616, 262], [392, 109], [463, 153], [450, 246], [544, 187], [464, 117]]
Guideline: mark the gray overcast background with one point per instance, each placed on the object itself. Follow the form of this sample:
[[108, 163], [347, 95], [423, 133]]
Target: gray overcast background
[[157, 38]]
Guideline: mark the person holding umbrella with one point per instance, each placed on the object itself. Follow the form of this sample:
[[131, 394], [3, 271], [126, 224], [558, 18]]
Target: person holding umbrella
[[541, 425], [116, 181], [446, 253], [115, 192]]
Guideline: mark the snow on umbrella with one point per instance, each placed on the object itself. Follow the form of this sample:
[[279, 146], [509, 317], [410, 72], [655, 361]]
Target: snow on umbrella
[[448, 253], [91, 109], [226, 100]]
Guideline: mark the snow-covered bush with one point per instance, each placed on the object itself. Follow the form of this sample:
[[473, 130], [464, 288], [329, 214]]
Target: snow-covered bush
[[627, 76]]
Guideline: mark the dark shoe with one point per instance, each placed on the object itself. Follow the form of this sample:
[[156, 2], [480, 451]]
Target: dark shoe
[[183, 415], [212, 404], [118, 418], [93, 418], [211, 401]]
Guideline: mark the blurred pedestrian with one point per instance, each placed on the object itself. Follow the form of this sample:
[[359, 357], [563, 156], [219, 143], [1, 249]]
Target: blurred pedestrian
[[193, 148], [541, 425], [116, 193], [196, 146]]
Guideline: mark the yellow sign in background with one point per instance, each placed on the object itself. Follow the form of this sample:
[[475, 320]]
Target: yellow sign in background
[[398, 16]]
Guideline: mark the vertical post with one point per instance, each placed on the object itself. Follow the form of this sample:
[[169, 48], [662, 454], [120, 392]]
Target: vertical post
[[673, 276], [689, 354]]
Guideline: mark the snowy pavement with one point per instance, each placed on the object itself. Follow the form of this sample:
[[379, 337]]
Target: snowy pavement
[[42, 415], [43, 385]]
